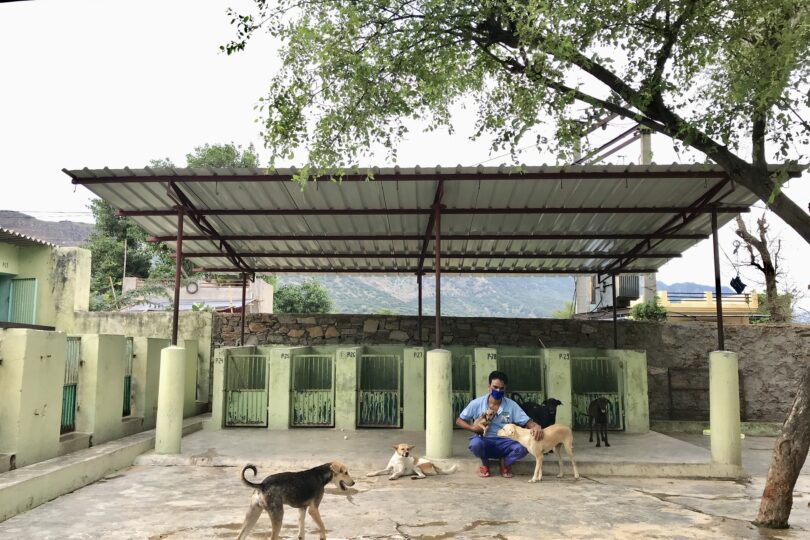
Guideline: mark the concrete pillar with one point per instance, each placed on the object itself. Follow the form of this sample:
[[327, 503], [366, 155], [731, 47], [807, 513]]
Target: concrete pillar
[[32, 374], [724, 408], [582, 303], [190, 385], [413, 389], [101, 386], [146, 378], [346, 387], [217, 420], [169, 424], [486, 361], [634, 389], [558, 383], [279, 369], [439, 420], [649, 287]]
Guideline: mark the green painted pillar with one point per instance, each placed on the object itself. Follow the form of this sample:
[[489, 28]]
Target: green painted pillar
[[346, 387], [413, 389], [634, 390], [101, 386], [486, 361], [439, 420], [279, 370], [724, 408], [558, 383], [169, 425], [146, 377]]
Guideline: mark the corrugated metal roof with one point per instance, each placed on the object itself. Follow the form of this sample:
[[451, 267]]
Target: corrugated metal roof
[[7, 236], [495, 219]]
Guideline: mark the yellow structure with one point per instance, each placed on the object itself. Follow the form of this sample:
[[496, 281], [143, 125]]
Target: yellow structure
[[40, 283], [737, 308]]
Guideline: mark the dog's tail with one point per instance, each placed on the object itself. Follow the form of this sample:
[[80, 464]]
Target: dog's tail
[[245, 480], [449, 470]]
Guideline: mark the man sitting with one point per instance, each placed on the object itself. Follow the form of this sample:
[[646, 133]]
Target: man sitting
[[507, 411]]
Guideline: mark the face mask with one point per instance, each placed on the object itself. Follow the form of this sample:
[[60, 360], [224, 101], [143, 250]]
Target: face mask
[[497, 394]]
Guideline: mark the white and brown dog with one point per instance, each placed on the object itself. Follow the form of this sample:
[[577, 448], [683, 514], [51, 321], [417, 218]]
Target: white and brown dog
[[405, 463]]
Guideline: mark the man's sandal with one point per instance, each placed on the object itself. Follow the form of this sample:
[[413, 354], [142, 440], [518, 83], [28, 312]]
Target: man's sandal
[[483, 472], [506, 472]]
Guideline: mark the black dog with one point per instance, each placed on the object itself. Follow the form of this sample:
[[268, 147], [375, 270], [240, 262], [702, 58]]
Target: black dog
[[544, 414], [598, 414]]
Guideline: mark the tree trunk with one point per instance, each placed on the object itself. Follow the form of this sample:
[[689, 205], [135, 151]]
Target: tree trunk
[[789, 454], [762, 186]]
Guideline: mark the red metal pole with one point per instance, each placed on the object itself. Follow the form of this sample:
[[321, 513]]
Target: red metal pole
[[178, 268], [419, 317], [718, 294]]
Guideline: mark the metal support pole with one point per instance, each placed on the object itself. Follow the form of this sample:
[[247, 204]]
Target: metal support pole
[[718, 294], [244, 288], [615, 329], [419, 316], [437, 250], [178, 269]]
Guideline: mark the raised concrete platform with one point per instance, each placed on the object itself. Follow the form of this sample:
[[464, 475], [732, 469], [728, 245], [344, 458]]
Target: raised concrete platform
[[643, 455], [27, 487]]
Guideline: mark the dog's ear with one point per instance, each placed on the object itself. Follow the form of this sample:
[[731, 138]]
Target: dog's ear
[[395, 446], [411, 446]]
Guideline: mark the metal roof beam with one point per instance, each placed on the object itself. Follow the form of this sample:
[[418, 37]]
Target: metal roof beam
[[437, 201], [450, 176], [412, 270], [419, 237], [415, 255], [730, 209], [698, 207]]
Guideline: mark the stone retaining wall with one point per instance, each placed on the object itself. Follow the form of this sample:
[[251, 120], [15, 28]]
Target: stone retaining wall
[[771, 357]]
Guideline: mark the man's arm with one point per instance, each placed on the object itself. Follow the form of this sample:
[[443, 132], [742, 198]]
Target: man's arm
[[537, 431], [469, 427]]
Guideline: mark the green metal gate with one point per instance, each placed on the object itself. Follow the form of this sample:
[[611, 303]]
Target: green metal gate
[[380, 396], [592, 377], [128, 378], [313, 390], [246, 390], [526, 376], [22, 305], [462, 381], [71, 384]]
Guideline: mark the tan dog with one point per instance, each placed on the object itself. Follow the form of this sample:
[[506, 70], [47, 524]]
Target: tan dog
[[406, 463], [485, 420], [302, 490], [554, 436]]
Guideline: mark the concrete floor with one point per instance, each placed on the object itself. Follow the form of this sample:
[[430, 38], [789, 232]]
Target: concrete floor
[[153, 500]]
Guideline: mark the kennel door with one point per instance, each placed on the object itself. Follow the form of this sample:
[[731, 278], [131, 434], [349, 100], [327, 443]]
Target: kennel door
[[462, 381], [526, 376], [313, 390], [594, 376], [246, 390], [379, 400]]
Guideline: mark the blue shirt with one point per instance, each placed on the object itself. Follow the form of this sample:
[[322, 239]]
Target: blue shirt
[[509, 412]]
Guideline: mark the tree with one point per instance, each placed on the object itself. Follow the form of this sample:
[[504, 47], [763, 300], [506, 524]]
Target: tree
[[649, 311], [355, 73], [766, 260], [106, 243], [308, 297], [566, 312], [222, 155]]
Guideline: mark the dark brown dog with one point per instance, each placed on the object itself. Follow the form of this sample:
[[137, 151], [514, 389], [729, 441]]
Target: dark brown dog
[[598, 412], [302, 490]]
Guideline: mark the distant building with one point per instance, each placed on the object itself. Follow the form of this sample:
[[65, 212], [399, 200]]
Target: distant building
[[40, 283], [223, 297]]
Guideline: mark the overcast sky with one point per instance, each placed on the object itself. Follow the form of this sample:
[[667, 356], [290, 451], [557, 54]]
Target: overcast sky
[[117, 83]]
